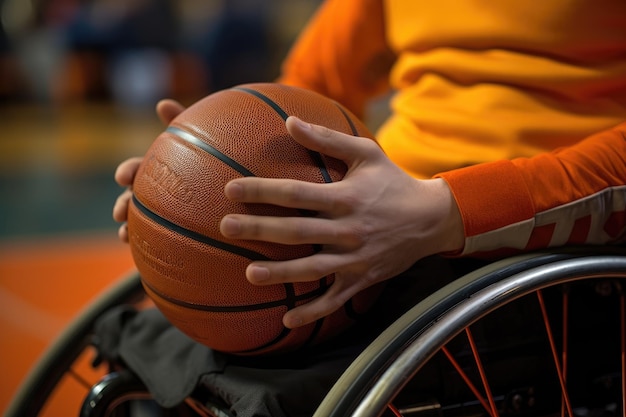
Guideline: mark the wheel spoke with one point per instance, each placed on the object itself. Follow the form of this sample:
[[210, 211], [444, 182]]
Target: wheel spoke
[[467, 381], [555, 355], [481, 371], [82, 381], [394, 410], [622, 310], [565, 338]]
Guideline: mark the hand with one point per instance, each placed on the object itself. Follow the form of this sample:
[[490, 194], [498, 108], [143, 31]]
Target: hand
[[372, 225], [167, 110]]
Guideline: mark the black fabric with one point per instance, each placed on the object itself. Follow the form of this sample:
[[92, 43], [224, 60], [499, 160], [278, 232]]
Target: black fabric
[[167, 361], [288, 390], [172, 365]]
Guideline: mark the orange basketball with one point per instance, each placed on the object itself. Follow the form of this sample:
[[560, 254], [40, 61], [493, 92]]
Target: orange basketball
[[195, 276]]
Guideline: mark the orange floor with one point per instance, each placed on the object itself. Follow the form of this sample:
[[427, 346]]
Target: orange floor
[[58, 243], [43, 285]]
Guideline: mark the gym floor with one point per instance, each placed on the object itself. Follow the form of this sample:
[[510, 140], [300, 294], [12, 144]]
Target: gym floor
[[58, 246]]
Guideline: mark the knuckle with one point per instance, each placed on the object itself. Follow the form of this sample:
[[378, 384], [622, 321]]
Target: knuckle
[[337, 302], [370, 277], [319, 270], [299, 231], [292, 192], [371, 148], [252, 228], [327, 305], [346, 201], [353, 236], [316, 270]]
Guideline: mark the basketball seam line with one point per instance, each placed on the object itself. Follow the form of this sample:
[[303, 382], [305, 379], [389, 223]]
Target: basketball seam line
[[289, 301], [190, 138], [198, 307], [348, 119], [246, 253], [316, 156], [266, 99]]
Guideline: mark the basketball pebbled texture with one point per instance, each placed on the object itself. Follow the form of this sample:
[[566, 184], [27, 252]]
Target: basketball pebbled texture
[[195, 276]]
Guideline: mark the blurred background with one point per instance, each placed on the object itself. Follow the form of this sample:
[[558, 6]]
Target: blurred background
[[79, 80]]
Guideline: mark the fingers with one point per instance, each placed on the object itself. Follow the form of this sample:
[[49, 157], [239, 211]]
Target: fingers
[[289, 230], [120, 208], [310, 268], [281, 192], [122, 233], [312, 311], [124, 176], [333, 227], [330, 142], [125, 172], [168, 109], [332, 300]]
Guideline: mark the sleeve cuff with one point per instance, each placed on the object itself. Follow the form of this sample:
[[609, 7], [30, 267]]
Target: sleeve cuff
[[490, 196]]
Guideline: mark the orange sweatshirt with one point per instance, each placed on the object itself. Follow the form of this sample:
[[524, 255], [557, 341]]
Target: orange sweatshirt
[[519, 106]]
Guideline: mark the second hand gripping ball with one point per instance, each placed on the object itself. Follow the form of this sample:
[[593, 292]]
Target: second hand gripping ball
[[195, 276]]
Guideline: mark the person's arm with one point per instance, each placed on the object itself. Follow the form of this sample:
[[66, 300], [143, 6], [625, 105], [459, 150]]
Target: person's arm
[[574, 195], [342, 53], [378, 220], [373, 224]]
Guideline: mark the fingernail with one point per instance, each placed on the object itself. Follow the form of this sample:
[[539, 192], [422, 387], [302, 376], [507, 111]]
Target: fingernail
[[230, 226], [302, 123], [293, 322], [233, 191], [258, 274]]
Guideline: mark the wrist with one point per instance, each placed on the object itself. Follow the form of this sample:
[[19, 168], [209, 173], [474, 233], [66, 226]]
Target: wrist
[[451, 232]]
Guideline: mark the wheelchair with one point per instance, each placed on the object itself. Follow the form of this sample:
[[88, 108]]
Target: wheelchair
[[536, 334]]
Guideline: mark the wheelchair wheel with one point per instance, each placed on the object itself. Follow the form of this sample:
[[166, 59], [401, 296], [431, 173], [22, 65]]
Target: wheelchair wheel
[[60, 360], [540, 334]]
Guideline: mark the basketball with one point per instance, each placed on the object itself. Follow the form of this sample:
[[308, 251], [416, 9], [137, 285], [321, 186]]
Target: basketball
[[194, 275]]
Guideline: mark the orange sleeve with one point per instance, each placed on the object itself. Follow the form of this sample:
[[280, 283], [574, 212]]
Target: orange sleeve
[[574, 195], [342, 53]]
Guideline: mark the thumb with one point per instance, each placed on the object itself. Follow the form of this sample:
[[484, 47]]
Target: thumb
[[168, 109]]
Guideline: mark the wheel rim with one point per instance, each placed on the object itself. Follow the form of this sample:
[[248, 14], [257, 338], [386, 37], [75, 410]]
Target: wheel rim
[[468, 312]]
